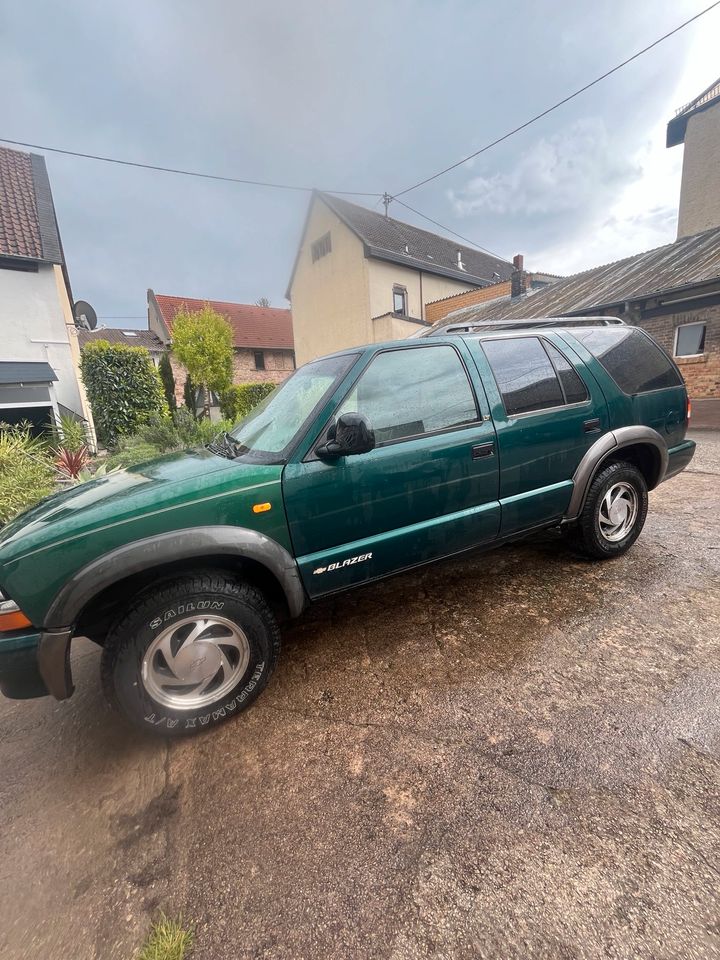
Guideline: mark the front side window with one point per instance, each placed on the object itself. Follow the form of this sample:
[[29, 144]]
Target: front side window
[[635, 362], [525, 377], [407, 393], [400, 300], [273, 426], [690, 340]]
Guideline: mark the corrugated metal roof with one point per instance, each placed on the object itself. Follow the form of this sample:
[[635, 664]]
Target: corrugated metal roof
[[688, 261], [26, 371]]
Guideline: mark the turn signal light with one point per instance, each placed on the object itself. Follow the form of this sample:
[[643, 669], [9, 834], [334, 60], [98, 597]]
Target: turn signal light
[[12, 617], [261, 507]]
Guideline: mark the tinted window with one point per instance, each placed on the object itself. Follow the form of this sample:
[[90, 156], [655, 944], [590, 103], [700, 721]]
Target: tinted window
[[635, 362], [573, 387], [410, 392], [525, 377]]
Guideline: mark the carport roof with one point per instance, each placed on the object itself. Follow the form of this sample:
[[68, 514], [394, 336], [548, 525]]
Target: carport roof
[[26, 371]]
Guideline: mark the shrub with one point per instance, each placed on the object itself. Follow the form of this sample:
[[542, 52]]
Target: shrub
[[168, 380], [203, 343], [123, 387], [71, 434], [26, 472], [239, 400], [71, 463], [166, 435], [190, 396]]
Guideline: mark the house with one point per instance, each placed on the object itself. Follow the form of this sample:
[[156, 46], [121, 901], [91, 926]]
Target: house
[[524, 282], [673, 292], [363, 277], [39, 355], [262, 337], [129, 338]]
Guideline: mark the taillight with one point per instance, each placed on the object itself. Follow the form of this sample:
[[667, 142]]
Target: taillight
[[689, 409]]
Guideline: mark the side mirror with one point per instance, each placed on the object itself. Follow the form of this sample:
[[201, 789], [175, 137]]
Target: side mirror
[[349, 435]]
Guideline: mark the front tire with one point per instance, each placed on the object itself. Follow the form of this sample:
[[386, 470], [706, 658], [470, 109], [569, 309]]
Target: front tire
[[190, 653], [614, 513]]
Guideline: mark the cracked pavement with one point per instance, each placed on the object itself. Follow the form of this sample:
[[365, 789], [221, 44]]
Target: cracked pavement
[[513, 754]]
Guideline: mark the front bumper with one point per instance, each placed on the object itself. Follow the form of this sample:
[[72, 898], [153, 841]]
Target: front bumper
[[35, 664]]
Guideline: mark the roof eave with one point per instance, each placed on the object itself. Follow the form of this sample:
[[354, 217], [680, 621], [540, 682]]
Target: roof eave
[[378, 253]]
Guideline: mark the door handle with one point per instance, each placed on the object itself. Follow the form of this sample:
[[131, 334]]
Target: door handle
[[592, 426], [481, 450]]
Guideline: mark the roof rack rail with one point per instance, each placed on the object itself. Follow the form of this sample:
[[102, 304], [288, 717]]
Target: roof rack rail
[[481, 325]]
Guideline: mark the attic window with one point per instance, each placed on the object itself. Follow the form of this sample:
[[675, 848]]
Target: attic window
[[129, 333], [321, 247]]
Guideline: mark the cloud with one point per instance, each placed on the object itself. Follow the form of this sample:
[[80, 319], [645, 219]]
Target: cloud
[[576, 169]]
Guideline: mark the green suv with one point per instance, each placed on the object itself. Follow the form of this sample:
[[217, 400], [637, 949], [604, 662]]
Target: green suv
[[362, 464]]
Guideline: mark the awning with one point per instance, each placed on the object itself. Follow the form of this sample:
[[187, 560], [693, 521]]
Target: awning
[[26, 371]]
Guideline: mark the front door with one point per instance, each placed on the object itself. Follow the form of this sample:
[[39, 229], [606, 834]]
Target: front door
[[547, 412], [428, 489]]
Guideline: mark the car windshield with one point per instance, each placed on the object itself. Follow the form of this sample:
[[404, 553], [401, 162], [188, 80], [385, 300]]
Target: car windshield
[[270, 430]]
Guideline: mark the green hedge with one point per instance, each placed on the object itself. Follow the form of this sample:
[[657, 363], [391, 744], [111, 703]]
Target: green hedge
[[237, 401], [123, 387]]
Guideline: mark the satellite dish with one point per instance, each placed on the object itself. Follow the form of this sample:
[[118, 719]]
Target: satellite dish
[[84, 314]]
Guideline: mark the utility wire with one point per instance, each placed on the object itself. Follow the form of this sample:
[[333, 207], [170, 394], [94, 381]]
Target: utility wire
[[458, 235], [186, 173], [560, 103]]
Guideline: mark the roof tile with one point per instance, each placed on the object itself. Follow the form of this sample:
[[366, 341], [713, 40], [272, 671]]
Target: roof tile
[[252, 326]]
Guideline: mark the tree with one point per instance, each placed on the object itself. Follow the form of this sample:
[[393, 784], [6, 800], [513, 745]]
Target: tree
[[123, 387], [168, 380], [203, 343], [190, 396], [262, 302]]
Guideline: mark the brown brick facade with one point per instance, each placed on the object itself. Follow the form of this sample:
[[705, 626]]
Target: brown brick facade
[[278, 367], [702, 374], [441, 308]]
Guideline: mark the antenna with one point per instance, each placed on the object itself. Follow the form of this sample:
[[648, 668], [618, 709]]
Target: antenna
[[387, 200], [85, 316]]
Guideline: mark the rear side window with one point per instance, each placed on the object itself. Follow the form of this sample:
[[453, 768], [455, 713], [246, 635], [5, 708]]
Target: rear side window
[[635, 362], [524, 375], [573, 387]]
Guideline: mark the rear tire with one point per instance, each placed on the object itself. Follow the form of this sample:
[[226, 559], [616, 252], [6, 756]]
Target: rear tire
[[190, 653], [614, 512]]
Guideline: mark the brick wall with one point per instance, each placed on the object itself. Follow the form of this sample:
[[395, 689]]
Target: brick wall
[[278, 366], [441, 308], [702, 374]]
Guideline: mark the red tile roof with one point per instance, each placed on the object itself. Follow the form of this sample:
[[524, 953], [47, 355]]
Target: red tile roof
[[19, 226], [266, 327]]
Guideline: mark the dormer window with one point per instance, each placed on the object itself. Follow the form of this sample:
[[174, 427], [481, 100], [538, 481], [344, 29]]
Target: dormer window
[[400, 300], [321, 247]]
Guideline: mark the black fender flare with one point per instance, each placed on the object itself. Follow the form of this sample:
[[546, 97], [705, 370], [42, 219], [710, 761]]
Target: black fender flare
[[193, 542], [185, 544], [603, 447]]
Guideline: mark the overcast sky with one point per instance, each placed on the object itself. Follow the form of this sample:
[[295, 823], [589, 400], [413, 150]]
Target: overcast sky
[[344, 94]]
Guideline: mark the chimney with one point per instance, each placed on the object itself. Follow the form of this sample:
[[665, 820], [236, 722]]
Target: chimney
[[460, 264], [517, 278]]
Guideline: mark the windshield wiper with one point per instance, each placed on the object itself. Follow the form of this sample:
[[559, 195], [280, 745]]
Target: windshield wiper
[[224, 445]]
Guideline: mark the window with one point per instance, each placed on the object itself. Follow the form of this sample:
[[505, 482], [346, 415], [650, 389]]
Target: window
[[524, 375], [406, 393], [634, 361], [259, 360], [690, 340], [400, 300], [321, 247], [573, 387]]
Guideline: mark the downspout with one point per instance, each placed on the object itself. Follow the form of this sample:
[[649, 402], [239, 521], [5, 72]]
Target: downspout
[[422, 300]]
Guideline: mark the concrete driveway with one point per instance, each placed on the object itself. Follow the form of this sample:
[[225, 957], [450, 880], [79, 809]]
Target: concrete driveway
[[511, 755]]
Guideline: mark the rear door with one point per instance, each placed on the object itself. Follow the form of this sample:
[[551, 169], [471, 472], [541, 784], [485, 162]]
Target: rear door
[[548, 409], [428, 489]]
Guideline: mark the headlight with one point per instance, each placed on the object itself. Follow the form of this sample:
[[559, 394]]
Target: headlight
[[11, 616]]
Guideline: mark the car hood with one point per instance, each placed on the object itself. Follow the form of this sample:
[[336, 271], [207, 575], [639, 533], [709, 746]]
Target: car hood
[[169, 485]]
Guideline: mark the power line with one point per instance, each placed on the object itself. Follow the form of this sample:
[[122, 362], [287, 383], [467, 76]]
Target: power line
[[186, 173], [560, 103], [443, 227]]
